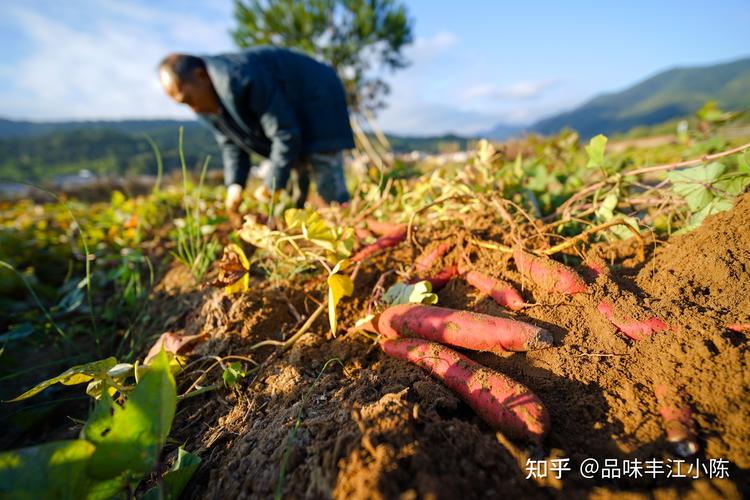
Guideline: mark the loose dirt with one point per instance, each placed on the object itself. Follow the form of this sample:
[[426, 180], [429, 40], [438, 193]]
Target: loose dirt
[[375, 427]]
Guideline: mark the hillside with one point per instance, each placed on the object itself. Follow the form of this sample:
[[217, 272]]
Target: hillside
[[38, 151], [671, 94]]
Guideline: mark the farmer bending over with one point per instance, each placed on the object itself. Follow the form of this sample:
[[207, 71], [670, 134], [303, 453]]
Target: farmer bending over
[[275, 102]]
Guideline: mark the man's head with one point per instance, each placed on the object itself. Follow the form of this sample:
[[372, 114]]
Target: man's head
[[186, 80]]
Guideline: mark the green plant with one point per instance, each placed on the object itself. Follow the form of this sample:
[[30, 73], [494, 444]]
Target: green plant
[[119, 443], [707, 189], [195, 247]]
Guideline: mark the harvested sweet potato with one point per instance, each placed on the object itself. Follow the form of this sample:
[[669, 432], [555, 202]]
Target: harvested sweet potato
[[500, 401], [387, 241], [479, 332], [501, 292], [425, 261], [636, 330], [549, 274]]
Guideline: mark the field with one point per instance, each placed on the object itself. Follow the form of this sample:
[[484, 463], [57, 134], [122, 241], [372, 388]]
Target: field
[[251, 358]]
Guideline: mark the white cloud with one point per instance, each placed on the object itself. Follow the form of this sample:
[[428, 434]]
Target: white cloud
[[425, 49], [107, 69], [519, 90], [422, 118]]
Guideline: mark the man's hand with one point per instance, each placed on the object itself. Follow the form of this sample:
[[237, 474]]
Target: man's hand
[[234, 198]]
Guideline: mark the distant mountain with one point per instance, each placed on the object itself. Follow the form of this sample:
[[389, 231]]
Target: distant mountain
[[22, 128], [39, 151], [671, 94], [502, 131]]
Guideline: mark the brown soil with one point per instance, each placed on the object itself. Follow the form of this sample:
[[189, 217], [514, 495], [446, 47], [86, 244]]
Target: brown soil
[[375, 427]]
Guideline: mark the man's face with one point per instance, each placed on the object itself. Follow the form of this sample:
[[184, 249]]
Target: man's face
[[198, 92]]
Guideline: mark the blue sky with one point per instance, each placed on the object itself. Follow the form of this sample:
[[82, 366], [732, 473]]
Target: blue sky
[[474, 63]]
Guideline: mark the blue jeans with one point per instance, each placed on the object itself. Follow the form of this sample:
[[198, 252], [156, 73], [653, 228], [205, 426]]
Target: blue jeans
[[327, 170]]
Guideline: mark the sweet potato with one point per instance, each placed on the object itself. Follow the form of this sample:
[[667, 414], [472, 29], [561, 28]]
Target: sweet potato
[[678, 420], [387, 241], [425, 261], [595, 266], [501, 292], [440, 279], [501, 402], [739, 327], [382, 228], [362, 234], [636, 330], [549, 274], [470, 330]]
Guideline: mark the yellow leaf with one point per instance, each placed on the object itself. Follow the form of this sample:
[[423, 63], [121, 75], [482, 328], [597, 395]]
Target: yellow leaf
[[339, 285], [75, 375], [242, 284], [256, 233]]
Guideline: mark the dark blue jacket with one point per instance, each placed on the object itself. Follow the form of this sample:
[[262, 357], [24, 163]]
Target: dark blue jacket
[[278, 103]]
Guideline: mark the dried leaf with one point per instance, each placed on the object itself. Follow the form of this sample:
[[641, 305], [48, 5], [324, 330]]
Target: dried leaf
[[233, 271], [172, 343]]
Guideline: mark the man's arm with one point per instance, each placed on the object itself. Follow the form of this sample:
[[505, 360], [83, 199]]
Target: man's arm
[[236, 160], [280, 125]]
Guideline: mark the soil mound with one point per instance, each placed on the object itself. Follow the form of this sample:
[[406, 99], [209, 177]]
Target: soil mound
[[374, 427]]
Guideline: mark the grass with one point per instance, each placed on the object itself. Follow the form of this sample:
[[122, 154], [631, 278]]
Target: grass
[[194, 249]]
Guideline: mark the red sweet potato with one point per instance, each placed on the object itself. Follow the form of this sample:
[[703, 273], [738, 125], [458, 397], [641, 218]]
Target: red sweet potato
[[387, 241], [678, 420], [501, 402], [382, 228], [549, 274], [362, 234], [501, 292], [636, 330], [425, 261], [739, 327], [440, 279], [595, 266], [470, 330]]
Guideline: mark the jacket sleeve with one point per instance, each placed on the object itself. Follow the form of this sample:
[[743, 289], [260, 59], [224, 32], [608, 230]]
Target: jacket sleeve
[[279, 122], [236, 160]]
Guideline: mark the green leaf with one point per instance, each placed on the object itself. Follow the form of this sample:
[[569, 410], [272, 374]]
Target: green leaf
[[233, 373], [108, 489], [595, 150], [417, 293], [716, 206], [139, 429], [76, 375], [99, 422], [175, 480], [118, 199], [622, 232], [18, 332], [743, 162], [518, 167], [733, 186], [606, 211], [701, 173], [50, 470], [691, 184]]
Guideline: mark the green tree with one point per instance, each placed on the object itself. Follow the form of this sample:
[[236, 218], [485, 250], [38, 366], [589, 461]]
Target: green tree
[[361, 39]]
